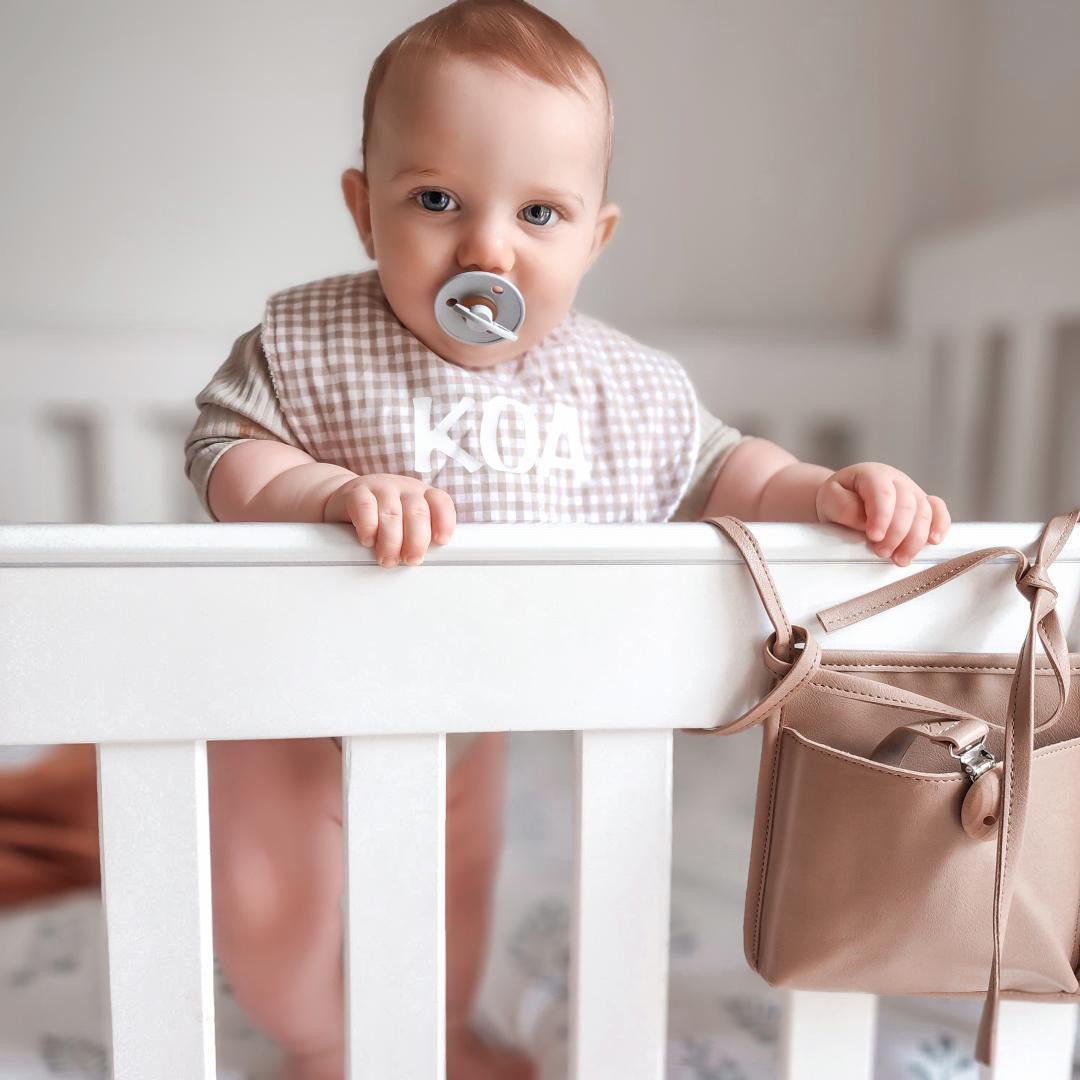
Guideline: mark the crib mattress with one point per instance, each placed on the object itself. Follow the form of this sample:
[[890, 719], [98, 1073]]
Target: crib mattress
[[723, 1021]]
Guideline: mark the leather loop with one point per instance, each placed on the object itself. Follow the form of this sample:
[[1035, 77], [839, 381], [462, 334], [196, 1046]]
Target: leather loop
[[807, 663]]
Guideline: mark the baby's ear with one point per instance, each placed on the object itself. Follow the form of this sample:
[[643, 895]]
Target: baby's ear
[[607, 217], [354, 187]]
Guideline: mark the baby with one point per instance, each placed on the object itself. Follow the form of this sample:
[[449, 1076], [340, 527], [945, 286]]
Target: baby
[[486, 146]]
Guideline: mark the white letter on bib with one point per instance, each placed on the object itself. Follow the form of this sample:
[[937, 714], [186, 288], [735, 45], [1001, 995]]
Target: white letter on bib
[[427, 439], [564, 421], [489, 429]]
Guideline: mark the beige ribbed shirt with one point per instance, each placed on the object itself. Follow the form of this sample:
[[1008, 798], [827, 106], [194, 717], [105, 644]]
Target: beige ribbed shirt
[[239, 403]]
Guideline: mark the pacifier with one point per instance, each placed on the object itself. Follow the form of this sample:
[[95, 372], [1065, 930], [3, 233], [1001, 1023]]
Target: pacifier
[[480, 308]]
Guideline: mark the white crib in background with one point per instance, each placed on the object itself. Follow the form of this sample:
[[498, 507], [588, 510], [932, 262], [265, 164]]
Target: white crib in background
[[108, 637], [991, 322]]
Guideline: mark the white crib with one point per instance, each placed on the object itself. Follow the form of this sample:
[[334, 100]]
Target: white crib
[[105, 639]]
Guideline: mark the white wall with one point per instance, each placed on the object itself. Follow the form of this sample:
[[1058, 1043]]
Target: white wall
[[1027, 110], [166, 166]]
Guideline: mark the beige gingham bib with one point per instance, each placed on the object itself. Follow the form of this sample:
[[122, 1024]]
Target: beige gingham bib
[[587, 426]]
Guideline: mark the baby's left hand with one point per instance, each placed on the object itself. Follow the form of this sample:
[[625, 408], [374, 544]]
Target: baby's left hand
[[897, 516]]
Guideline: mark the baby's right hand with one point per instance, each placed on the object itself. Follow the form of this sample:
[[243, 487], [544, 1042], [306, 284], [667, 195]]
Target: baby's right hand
[[399, 516]]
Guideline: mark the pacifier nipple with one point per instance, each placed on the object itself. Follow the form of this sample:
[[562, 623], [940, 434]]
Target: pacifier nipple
[[480, 308]]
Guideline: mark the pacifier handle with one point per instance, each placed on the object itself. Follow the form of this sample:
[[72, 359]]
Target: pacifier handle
[[482, 313]]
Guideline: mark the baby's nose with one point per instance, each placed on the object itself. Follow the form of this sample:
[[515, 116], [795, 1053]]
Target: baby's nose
[[486, 250]]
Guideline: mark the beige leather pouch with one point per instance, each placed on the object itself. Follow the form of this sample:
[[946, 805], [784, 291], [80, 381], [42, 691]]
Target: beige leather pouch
[[912, 807]]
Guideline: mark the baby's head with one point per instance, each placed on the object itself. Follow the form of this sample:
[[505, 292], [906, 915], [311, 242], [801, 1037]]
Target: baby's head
[[487, 143]]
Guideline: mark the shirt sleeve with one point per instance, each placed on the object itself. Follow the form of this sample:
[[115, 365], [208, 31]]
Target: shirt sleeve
[[237, 405], [717, 441]]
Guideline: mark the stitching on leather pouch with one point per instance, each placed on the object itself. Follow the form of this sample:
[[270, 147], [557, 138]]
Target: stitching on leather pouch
[[1074, 960], [767, 839], [862, 764], [844, 665], [1063, 748], [863, 696], [1010, 735]]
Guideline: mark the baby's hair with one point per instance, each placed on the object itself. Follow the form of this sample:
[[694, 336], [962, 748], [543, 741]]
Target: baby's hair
[[509, 33]]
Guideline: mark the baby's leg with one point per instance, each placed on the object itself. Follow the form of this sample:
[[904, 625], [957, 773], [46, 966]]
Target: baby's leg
[[474, 802], [278, 877], [278, 874]]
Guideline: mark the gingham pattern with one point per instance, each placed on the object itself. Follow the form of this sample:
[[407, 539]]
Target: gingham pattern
[[346, 373]]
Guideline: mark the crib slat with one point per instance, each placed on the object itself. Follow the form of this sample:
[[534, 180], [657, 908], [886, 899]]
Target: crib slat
[[26, 492], [155, 864], [395, 938], [126, 494], [1025, 432], [620, 928], [966, 368], [1034, 1039], [827, 1035]]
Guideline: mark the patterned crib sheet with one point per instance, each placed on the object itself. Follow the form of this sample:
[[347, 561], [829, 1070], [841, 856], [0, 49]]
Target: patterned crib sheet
[[723, 1020]]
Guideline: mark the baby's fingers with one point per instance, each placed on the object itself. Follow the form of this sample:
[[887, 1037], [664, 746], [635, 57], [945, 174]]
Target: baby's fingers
[[443, 515], [388, 542], [362, 509], [915, 540], [903, 515], [878, 494], [939, 526], [416, 519]]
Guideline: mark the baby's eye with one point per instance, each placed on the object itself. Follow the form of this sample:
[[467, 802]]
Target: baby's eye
[[538, 214], [436, 201]]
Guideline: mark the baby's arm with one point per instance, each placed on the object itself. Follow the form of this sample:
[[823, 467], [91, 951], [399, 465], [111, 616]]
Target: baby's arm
[[247, 464], [265, 480], [761, 481]]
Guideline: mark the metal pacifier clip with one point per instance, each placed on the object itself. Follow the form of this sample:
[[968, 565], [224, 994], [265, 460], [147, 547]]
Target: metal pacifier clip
[[480, 308]]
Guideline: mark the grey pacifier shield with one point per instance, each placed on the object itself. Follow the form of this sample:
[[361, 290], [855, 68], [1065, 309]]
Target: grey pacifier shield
[[480, 308]]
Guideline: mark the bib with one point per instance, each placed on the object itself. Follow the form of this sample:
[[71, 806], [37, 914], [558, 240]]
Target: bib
[[586, 426]]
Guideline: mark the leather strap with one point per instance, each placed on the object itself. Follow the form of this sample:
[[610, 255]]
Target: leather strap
[[898, 592], [747, 546], [1019, 748]]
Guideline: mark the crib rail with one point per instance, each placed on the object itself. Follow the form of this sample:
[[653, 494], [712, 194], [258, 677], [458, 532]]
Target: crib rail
[[150, 639]]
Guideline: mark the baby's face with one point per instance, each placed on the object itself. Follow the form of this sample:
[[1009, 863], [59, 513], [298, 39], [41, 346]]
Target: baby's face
[[470, 167]]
